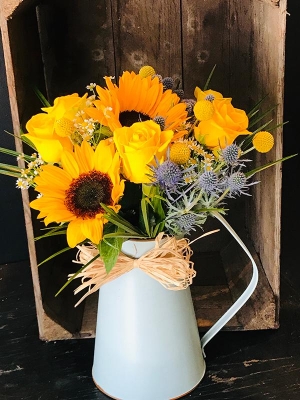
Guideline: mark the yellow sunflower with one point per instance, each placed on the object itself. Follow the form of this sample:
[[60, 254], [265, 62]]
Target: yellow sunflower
[[74, 192], [136, 99]]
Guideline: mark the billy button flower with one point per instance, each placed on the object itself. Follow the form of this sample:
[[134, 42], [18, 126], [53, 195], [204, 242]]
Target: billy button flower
[[147, 70], [180, 153], [263, 141], [204, 110]]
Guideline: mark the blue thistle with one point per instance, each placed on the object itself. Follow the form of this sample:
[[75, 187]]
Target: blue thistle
[[209, 97], [209, 181], [160, 121], [179, 92], [168, 83], [189, 103], [231, 154], [237, 182], [186, 222], [168, 175]]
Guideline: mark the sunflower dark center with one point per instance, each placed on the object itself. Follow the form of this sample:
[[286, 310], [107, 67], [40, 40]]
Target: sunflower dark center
[[127, 118], [85, 194]]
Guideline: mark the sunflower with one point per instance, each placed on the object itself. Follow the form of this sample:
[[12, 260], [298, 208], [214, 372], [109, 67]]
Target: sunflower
[[136, 99], [74, 192]]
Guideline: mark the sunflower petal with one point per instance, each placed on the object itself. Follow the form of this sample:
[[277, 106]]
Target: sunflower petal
[[74, 233], [69, 164]]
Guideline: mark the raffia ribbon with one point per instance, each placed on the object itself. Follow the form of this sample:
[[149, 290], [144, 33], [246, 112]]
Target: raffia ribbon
[[168, 263]]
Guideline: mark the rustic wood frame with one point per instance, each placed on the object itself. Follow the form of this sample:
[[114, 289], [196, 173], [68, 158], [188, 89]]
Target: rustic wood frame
[[183, 39]]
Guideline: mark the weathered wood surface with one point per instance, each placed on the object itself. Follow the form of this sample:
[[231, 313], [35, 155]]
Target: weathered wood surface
[[267, 195], [10, 8], [66, 45]]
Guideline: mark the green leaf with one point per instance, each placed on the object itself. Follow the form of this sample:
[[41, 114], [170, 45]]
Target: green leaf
[[209, 78], [9, 167], [41, 97], [110, 246], [28, 142], [145, 215], [261, 116], [158, 228], [116, 219], [121, 234], [54, 255], [255, 109], [76, 274], [109, 249], [50, 234], [9, 173], [270, 164]]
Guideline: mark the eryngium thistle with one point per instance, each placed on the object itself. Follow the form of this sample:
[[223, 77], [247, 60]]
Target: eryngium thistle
[[237, 182], [168, 175], [179, 92], [186, 222], [189, 106], [160, 121], [209, 181], [209, 97], [168, 83], [231, 154]]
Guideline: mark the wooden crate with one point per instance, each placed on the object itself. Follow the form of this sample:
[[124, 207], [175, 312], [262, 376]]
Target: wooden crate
[[61, 46]]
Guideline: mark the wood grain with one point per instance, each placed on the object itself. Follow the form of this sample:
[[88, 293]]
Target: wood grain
[[148, 34]]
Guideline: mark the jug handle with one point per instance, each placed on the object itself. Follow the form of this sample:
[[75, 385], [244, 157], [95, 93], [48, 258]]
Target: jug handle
[[242, 299]]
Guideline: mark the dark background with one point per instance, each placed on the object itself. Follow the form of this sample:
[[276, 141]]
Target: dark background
[[13, 242]]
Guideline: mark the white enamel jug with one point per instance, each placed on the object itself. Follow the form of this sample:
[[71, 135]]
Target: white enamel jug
[[147, 344]]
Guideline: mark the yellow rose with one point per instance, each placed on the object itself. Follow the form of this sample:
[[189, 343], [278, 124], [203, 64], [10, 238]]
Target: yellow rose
[[224, 127], [137, 146], [50, 131], [41, 133]]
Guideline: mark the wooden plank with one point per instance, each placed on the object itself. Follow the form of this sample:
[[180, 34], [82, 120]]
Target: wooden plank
[[22, 77], [261, 310], [268, 73], [147, 33], [12, 82], [205, 36], [9, 8], [74, 60], [274, 3]]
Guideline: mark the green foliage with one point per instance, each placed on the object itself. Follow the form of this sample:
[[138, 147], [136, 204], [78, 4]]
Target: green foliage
[[110, 247]]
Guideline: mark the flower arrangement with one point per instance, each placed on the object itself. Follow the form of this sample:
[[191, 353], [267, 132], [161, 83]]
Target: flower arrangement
[[136, 160]]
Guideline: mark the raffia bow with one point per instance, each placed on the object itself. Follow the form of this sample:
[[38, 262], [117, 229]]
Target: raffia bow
[[168, 262]]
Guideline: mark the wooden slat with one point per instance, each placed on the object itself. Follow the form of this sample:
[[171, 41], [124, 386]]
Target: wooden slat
[[261, 310], [80, 48], [205, 36], [274, 3], [10, 8], [22, 77], [267, 71], [147, 33]]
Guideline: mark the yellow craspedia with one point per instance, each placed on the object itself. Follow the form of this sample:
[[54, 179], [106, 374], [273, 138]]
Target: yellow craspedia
[[64, 127], [263, 141], [180, 153], [147, 70], [204, 110]]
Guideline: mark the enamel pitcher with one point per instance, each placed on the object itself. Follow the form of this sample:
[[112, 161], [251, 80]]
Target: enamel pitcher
[[147, 344]]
